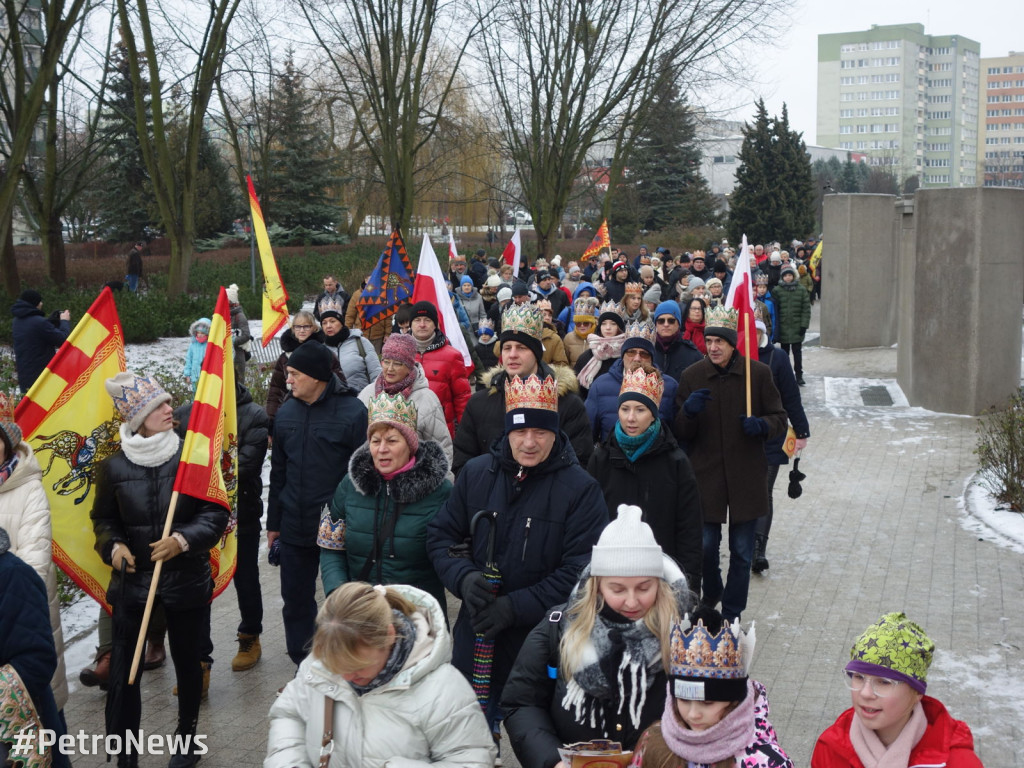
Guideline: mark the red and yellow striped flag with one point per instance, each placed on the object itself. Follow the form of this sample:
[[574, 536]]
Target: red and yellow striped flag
[[275, 297], [69, 420], [601, 241], [209, 456]]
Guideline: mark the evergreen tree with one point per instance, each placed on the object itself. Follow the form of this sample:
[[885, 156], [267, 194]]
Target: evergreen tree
[[666, 166], [794, 181], [302, 170], [217, 200], [124, 201]]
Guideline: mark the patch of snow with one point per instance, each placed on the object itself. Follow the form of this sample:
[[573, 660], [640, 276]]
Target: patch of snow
[[845, 392], [981, 674], [988, 519]]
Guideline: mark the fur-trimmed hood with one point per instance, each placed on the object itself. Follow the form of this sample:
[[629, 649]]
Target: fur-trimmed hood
[[494, 379], [429, 472]]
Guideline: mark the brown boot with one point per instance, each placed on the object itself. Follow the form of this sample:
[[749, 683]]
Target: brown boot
[[249, 652], [206, 679], [98, 673], [155, 655]]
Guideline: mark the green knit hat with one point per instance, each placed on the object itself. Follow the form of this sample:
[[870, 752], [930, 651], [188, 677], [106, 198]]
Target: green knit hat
[[895, 648]]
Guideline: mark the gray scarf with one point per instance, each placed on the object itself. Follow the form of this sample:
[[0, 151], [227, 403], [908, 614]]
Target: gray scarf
[[5, 541], [405, 637]]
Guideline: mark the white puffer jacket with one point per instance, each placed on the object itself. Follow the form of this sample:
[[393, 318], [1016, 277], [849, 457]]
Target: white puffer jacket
[[430, 422], [25, 515], [426, 715]]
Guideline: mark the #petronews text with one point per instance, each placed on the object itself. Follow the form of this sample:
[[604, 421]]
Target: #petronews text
[[82, 743]]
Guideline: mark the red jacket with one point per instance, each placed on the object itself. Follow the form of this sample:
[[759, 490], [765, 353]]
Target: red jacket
[[946, 742], [446, 374]]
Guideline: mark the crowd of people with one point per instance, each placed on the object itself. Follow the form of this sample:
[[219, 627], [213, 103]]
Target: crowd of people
[[569, 490]]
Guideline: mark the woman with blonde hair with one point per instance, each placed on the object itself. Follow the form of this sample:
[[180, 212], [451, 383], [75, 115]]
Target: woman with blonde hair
[[378, 689], [632, 304], [595, 667]]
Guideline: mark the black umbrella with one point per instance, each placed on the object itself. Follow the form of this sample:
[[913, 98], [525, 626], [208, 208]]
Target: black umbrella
[[795, 478]]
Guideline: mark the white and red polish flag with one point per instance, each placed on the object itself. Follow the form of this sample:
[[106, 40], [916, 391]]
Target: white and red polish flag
[[452, 253], [513, 252], [741, 298], [430, 286]]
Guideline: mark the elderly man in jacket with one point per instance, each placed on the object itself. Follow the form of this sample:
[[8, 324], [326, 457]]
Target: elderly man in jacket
[[315, 433], [528, 507], [727, 449]]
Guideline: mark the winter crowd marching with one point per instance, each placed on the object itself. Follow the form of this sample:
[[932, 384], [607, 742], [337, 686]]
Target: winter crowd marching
[[570, 490]]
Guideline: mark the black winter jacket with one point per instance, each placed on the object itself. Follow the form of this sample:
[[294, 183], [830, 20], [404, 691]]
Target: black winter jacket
[[130, 507], [662, 484], [680, 355], [785, 381], [277, 390], [312, 447], [547, 525], [483, 421], [35, 340]]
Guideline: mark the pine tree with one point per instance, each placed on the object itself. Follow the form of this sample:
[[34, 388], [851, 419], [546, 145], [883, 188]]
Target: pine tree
[[794, 181], [301, 168]]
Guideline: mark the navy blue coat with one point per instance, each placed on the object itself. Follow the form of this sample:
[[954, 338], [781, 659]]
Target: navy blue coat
[[35, 341], [603, 401], [681, 354], [785, 382], [312, 446], [547, 525], [26, 638]]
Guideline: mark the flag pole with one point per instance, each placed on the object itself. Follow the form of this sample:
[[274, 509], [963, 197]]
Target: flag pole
[[151, 598], [746, 356]]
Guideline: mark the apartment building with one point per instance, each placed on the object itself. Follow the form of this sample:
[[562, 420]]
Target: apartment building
[[1001, 123]]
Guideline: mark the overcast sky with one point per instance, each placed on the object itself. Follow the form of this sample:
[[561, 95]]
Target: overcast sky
[[788, 71]]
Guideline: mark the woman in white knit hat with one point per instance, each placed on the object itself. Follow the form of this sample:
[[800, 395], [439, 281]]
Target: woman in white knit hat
[[595, 667]]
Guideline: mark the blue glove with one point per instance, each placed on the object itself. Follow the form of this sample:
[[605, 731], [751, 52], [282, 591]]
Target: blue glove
[[696, 401], [755, 426]]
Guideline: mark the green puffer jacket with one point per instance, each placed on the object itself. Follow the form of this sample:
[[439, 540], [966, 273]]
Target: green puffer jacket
[[388, 519], [793, 307]]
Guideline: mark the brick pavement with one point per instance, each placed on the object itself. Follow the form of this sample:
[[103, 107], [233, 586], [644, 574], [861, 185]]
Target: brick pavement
[[877, 529]]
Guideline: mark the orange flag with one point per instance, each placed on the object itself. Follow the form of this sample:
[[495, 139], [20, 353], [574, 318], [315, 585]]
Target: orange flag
[[275, 297], [209, 456], [69, 420], [601, 241]]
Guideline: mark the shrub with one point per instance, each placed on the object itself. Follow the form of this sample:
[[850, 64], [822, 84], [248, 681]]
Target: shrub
[[1001, 452]]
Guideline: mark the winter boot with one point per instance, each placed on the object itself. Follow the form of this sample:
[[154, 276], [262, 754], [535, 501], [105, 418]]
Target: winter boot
[[249, 652], [206, 682], [155, 655], [800, 379], [760, 562], [98, 673], [190, 754]]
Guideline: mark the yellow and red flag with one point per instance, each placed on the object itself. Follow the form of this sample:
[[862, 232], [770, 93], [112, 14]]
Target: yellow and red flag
[[209, 456], [275, 297], [816, 258], [69, 420], [601, 241]]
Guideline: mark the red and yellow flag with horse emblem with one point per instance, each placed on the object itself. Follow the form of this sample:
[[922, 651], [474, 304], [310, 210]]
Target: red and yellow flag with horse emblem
[[69, 420], [209, 455]]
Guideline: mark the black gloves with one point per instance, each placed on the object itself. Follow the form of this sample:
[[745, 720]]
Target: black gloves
[[802, 332], [755, 426], [495, 618], [477, 592], [696, 401]]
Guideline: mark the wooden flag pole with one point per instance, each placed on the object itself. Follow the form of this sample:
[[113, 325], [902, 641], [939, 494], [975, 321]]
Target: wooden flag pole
[[151, 598], [746, 357]]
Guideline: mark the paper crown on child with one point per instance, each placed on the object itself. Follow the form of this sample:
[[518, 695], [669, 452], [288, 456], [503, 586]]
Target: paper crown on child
[[647, 388], [331, 306], [531, 403], [485, 328], [709, 667]]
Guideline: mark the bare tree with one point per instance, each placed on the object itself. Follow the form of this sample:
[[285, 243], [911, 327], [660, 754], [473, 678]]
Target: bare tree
[[570, 75]]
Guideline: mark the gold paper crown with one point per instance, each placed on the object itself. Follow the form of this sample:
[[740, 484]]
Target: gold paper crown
[[695, 652], [722, 317], [523, 318], [635, 288], [611, 306], [640, 329], [650, 385], [531, 394], [584, 307], [393, 409]]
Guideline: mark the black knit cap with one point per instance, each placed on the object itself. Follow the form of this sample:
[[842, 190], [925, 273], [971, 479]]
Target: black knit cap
[[610, 315], [425, 309], [313, 359], [31, 296]]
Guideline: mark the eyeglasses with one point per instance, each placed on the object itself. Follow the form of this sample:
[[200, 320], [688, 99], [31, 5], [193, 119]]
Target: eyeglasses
[[666, 321], [882, 686], [302, 327], [390, 364]]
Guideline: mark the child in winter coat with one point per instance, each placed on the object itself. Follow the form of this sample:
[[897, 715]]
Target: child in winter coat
[[892, 723], [200, 333], [715, 715]]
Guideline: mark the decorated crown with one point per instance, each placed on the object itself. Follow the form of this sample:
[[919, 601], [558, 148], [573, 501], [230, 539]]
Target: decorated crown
[[761, 279], [640, 329], [635, 288], [700, 662], [543, 304], [611, 306], [485, 327], [523, 318], [393, 409], [585, 306], [331, 304], [722, 317], [531, 394], [650, 385]]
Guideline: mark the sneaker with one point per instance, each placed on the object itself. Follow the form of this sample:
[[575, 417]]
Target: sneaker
[[98, 673], [249, 652]]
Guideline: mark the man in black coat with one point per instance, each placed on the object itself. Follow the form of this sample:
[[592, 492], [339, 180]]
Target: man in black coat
[[672, 353], [316, 430], [483, 420], [541, 515], [36, 338]]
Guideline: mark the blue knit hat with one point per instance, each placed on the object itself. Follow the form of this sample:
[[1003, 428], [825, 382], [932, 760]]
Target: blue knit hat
[[669, 308], [465, 279]]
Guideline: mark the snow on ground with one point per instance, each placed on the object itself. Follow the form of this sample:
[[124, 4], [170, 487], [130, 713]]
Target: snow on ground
[[990, 520], [983, 673]]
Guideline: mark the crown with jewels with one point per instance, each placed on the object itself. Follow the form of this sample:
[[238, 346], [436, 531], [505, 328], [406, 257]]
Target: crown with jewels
[[533, 393], [635, 288], [523, 318], [650, 385], [585, 307], [391, 409], [485, 328], [640, 329], [722, 317], [331, 304], [705, 667]]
